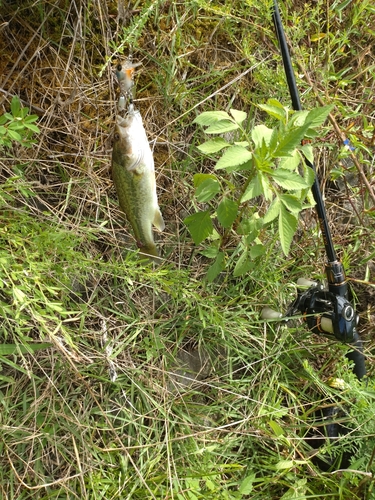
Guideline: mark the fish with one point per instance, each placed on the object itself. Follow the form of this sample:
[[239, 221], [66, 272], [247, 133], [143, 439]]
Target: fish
[[125, 76], [133, 175]]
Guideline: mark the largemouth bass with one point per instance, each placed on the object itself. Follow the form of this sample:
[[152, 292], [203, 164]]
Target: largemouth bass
[[133, 175]]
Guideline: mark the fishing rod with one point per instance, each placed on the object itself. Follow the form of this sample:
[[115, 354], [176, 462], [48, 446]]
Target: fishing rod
[[327, 312]]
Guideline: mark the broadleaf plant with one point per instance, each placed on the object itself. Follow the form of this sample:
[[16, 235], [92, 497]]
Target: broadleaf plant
[[18, 125], [269, 162]]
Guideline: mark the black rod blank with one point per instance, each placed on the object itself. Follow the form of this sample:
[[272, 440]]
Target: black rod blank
[[335, 271], [296, 102]]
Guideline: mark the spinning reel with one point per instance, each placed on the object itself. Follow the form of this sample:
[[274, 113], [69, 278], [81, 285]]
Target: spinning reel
[[325, 313]]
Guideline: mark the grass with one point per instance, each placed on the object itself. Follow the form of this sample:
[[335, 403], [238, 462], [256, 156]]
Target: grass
[[96, 413]]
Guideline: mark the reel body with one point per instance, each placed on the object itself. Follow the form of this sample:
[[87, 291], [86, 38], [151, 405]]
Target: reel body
[[326, 313]]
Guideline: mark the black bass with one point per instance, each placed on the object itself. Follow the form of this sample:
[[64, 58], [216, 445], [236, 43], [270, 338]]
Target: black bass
[[133, 175]]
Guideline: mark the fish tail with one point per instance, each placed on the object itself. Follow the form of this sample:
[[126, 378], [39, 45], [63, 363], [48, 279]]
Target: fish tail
[[152, 251]]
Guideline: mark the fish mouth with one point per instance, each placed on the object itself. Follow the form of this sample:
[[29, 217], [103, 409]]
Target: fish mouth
[[124, 132], [127, 120]]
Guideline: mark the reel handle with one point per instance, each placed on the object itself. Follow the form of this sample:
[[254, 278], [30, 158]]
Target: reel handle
[[268, 313]]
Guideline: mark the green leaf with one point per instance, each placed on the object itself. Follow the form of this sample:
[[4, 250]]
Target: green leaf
[[308, 175], [288, 180], [290, 162], [23, 113], [317, 116], [317, 36], [307, 151], [227, 212], [273, 211], [299, 118], [210, 252], [311, 133], [244, 264], [341, 6], [14, 135], [16, 125], [275, 109], [239, 116], [215, 269], [257, 250], [213, 146], [7, 349], [290, 140], [261, 133], [277, 104], [199, 178], [207, 190], [287, 228], [273, 140], [221, 127], [284, 464], [246, 486], [210, 117], [254, 189], [31, 118], [278, 431], [200, 226], [15, 106], [32, 127], [234, 156], [267, 191], [292, 203], [250, 226]]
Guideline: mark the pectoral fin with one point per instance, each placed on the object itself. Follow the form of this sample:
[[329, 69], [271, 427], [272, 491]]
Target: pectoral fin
[[158, 220]]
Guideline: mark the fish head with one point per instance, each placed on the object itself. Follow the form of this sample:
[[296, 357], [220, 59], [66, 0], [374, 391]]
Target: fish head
[[130, 140], [127, 128]]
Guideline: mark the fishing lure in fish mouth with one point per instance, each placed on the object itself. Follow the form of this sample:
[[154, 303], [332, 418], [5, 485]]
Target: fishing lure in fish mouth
[[125, 77]]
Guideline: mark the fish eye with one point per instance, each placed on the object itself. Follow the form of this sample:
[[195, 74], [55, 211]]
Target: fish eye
[[119, 67]]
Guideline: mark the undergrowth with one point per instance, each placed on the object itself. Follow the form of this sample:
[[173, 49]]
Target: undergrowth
[[123, 380]]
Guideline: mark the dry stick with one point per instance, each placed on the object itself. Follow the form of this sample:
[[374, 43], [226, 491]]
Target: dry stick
[[338, 131]]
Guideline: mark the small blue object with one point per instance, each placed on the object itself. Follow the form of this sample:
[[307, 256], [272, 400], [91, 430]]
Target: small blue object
[[348, 143]]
